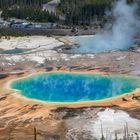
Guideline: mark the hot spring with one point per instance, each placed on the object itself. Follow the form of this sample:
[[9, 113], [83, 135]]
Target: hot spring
[[94, 44], [87, 45], [117, 34], [74, 87]]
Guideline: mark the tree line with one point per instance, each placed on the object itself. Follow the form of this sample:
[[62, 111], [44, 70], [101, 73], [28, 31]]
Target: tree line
[[5, 32], [75, 11], [30, 13], [9, 3], [85, 11], [26, 9]]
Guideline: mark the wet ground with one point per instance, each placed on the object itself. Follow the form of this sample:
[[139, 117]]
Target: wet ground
[[26, 121]]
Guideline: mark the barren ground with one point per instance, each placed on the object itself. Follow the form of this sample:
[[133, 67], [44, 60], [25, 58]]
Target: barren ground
[[19, 116]]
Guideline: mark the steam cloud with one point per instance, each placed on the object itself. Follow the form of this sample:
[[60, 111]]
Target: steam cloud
[[120, 36]]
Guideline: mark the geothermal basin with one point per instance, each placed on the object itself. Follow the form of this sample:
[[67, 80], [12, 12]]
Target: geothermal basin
[[74, 87], [94, 44]]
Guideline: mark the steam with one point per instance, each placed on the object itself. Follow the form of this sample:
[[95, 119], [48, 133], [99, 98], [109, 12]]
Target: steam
[[121, 35]]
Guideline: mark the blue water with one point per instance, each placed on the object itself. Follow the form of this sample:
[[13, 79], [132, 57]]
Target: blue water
[[71, 87], [94, 44], [14, 51], [86, 45]]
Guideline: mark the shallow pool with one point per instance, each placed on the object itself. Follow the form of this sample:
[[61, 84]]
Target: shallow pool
[[96, 44], [14, 51], [73, 87]]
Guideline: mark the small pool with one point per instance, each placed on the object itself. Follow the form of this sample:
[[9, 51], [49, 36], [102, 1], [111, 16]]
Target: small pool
[[14, 51], [73, 87]]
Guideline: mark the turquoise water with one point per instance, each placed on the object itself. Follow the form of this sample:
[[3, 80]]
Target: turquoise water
[[72, 87], [86, 45], [14, 51], [95, 44]]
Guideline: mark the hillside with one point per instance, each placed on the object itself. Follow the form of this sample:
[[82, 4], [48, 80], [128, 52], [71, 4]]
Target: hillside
[[74, 11], [84, 11], [30, 10]]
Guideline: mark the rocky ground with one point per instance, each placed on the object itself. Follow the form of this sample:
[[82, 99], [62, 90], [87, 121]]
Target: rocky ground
[[25, 121], [20, 119], [42, 52]]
